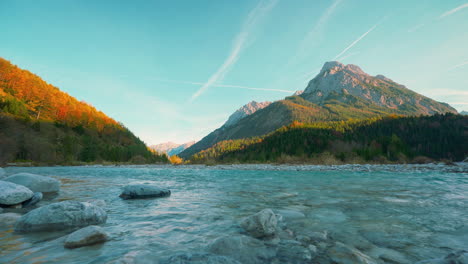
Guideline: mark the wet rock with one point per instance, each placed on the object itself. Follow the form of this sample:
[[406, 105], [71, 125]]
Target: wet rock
[[199, 258], [292, 252], [61, 216], [141, 191], [37, 197], [344, 254], [244, 249], [8, 219], [12, 193], [87, 236], [35, 183], [261, 224], [1, 210]]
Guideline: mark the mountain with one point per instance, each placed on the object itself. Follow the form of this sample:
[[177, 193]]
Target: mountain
[[244, 111], [464, 113], [339, 92], [380, 139], [171, 148], [39, 123]]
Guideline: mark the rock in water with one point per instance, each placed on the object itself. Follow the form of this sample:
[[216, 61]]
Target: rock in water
[[199, 258], [7, 219], [261, 224], [61, 216], [35, 183], [341, 253], [141, 191], [87, 236], [37, 197], [246, 250], [291, 251], [12, 193]]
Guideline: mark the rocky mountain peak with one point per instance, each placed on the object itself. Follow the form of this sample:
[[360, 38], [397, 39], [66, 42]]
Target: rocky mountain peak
[[244, 111]]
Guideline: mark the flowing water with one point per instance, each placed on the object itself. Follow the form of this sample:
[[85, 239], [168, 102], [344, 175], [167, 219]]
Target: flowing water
[[421, 212]]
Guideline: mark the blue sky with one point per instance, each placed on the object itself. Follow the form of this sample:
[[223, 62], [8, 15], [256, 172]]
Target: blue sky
[[175, 70]]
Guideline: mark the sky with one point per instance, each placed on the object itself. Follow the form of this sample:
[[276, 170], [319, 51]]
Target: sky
[[174, 70]]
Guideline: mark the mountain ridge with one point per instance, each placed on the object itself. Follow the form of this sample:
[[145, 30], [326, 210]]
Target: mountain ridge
[[339, 92]]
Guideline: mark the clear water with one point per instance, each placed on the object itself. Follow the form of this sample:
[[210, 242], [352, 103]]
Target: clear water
[[421, 212]]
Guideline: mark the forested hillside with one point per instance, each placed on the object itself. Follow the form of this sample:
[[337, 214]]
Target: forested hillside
[[379, 140], [42, 124]]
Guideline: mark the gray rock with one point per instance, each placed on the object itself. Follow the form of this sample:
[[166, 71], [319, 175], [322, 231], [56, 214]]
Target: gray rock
[[87, 236], [1, 210], [61, 216], [12, 193], [7, 219], [199, 258], [141, 191], [244, 249], [344, 254], [35, 183], [261, 224], [291, 251], [37, 197]]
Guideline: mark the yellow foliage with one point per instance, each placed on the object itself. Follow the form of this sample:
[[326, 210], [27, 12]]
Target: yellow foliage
[[176, 160]]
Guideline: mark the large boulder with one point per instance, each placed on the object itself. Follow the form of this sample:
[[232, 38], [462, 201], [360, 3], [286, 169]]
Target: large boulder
[[12, 193], [35, 183], [199, 258], [260, 225], [61, 216], [244, 249], [141, 191], [86, 236]]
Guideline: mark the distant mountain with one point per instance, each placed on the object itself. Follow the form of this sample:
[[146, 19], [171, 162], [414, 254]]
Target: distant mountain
[[40, 123], [464, 113], [244, 111], [338, 92], [171, 148]]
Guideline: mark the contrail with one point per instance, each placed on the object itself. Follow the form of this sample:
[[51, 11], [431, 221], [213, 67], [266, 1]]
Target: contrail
[[458, 66], [226, 85], [453, 11], [260, 11], [356, 41]]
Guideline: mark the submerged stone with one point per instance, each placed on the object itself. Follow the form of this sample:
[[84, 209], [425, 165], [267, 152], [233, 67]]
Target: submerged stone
[[244, 249], [87, 236], [37, 197]]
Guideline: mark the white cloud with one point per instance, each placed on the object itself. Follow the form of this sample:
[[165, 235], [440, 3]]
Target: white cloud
[[453, 11], [260, 11], [314, 32]]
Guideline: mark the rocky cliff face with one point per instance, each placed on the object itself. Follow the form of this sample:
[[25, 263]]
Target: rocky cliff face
[[337, 79], [244, 111]]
